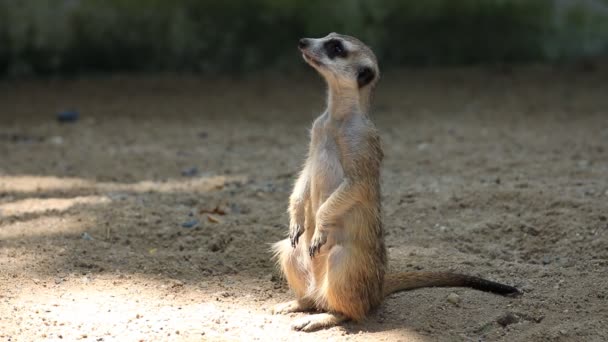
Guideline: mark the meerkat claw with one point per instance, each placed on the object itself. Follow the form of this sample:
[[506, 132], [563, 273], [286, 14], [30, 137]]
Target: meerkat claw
[[316, 244], [294, 235]]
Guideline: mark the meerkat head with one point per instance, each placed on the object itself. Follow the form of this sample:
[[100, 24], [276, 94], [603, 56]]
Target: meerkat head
[[344, 61]]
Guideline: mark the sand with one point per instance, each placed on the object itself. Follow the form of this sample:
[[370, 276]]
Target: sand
[[150, 218]]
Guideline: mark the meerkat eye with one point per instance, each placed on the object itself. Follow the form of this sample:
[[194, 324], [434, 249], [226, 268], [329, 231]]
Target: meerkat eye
[[334, 48]]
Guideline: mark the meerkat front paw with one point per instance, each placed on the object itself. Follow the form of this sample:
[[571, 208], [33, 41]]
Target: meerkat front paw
[[296, 221], [295, 231], [318, 240]]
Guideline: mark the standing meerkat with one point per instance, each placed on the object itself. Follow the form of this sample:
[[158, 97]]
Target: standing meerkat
[[335, 258]]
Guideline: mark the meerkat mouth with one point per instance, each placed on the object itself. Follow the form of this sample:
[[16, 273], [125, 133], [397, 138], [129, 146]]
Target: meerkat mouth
[[310, 59]]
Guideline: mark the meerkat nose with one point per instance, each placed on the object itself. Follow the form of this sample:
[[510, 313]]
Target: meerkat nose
[[303, 43]]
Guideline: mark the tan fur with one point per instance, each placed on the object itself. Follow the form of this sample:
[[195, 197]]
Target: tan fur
[[335, 259]]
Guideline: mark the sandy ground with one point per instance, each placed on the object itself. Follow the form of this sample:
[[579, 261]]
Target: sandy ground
[[150, 218]]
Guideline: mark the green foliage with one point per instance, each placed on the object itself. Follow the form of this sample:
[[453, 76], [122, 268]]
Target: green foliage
[[4, 42], [580, 29], [67, 36]]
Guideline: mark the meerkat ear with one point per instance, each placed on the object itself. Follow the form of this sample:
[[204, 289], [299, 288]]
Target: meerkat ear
[[365, 75]]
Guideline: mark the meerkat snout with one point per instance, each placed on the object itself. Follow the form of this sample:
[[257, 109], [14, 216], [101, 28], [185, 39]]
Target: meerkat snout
[[303, 43]]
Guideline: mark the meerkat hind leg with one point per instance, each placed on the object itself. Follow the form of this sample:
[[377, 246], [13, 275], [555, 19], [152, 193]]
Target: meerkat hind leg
[[318, 321]]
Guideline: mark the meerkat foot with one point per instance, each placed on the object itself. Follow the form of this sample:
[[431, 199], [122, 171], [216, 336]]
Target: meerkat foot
[[318, 321], [291, 306]]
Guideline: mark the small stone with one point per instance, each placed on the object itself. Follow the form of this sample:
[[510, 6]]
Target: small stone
[[190, 224], [177, 283], [546, 260], [213, 219], [507, 319], [454, 299], [68, 116], [423, 146], [86, 236], [56, 140], [117, 196], [190, 172]]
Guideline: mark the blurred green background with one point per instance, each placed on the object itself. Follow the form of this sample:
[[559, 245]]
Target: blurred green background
[[72, 36]]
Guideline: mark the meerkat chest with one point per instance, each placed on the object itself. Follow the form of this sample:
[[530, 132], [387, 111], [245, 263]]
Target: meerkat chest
[[327, 170]]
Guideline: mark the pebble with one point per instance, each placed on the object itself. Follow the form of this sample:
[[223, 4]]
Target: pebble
[[423, 146], [190, 172], [67, 116], [86, 236], [18, 138], [190, 224], [213, 219], [454, 299], [507, 319], [56, 140], [118, 196]]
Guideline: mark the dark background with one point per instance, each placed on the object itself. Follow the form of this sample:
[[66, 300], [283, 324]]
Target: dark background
[[72, 36]]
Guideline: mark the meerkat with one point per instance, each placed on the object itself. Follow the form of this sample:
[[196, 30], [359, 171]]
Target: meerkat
[[335, 258]]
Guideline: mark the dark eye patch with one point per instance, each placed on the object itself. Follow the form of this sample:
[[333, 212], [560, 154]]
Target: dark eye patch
[[334, 48], [365, 75]]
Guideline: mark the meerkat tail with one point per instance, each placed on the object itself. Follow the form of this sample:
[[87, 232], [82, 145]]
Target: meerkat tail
[[414, 280]]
